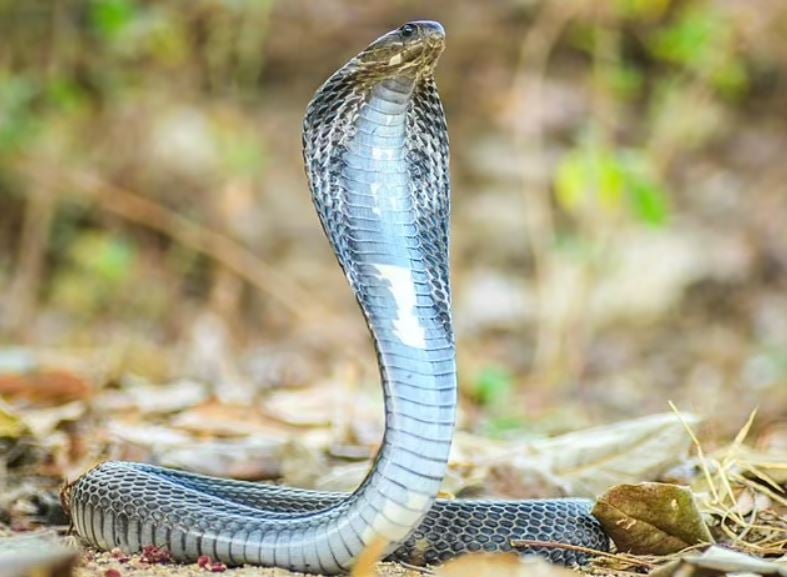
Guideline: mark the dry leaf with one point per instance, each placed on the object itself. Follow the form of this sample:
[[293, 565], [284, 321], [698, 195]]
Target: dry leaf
[[11, 426], [36, 554], [500, 565], [719, 561], [251, 459], [138, 393], [45, 387], [43, 422], [583, 463], [651, 518], [215, 419]]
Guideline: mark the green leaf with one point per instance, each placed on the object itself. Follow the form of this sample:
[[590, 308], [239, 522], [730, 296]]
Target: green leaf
[[18, 124], [687, 41], [649, 202], [493, 386], [590, 176], [643, 9], [104, 256], [647, 198], [703, 41], [112, 17], [570, 183]]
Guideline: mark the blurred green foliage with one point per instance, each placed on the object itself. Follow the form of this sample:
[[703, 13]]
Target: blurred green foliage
[[91, 86], [493, 386], [97, 268], [112, 17], [17, 121], [702, 42], [597, 178], [613, 176]]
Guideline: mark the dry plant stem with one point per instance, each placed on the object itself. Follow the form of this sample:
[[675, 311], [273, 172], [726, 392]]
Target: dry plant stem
[[577, 330], [528, 86], [21, 299], [700, 452], [722, 504], [227, 252], [552, 545], [416, 568]]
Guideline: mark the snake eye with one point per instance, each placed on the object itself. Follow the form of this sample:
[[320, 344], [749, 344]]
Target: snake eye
[[407, 30]]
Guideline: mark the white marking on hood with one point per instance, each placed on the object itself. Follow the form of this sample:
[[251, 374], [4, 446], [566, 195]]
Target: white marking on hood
[[406, 325]]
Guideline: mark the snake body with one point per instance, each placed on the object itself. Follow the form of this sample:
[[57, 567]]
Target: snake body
[[376, 155]]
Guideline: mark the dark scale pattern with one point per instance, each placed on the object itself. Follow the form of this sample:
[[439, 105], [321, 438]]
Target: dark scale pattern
[[376, 154], [461, 526]]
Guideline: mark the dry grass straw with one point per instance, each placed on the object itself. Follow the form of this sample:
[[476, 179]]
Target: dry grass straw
[[731, 472], [726, 475]]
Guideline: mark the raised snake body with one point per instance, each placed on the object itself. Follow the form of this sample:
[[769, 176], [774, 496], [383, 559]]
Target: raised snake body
[[376, 154]]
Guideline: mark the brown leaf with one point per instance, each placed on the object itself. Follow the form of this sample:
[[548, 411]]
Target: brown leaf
[[500, 565], [50, 387], [583, 463], [651, 518]]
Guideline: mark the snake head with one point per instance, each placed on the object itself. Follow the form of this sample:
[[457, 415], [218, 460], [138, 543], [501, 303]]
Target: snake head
[[411, 50]]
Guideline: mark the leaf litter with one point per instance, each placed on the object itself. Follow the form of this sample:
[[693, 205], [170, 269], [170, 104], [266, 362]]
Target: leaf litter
[[733, 495]]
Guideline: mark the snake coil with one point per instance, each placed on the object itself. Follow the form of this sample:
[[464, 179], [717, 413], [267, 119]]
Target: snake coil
[[376, 154]]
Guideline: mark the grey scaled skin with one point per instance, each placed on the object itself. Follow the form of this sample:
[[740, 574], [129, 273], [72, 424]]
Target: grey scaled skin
[[376, 154]]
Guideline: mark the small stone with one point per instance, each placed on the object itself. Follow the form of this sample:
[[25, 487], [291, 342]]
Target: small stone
[[153, 554], [204, 561], [119, 555]]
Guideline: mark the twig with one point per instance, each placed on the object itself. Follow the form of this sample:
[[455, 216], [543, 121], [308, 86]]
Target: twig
[[535, 52], [700, 452], [518, 543], [224, 250], [21, 300], [416, 568]]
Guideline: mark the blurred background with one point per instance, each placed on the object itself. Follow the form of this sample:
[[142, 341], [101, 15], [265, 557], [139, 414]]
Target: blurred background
[[619, 217]]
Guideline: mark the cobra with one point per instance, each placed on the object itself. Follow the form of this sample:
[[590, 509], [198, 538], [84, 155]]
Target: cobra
[[375, 147]]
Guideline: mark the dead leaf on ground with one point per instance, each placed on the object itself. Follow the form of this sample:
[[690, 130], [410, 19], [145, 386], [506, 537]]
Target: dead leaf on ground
[[251, 459], [45, 386], [773, 464], [719, 561], [651, 518], [218, 420], [500, 565], [11, 425], [138, 393], [582, 463], [35, 554], [43, 422]]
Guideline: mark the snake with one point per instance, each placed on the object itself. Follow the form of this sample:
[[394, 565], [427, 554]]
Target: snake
[[376, 155]]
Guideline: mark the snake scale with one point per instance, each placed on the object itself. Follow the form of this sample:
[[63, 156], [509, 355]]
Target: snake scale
[[376, 154]]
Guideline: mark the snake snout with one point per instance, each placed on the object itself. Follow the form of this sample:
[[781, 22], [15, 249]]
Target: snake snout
[[429, 28]]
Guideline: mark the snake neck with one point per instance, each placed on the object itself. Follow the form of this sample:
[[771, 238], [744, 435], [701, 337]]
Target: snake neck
[[373, 213], [414, 347]]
